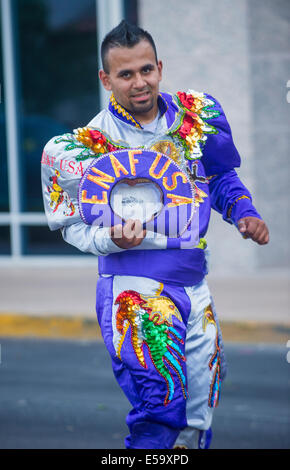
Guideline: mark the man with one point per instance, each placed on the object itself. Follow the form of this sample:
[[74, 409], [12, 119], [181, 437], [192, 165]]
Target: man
[[154, 307]]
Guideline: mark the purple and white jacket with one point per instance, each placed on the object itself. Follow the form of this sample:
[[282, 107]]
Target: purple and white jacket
[[193, 131]]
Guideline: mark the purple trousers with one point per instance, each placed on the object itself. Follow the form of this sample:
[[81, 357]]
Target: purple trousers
[[167, 356]]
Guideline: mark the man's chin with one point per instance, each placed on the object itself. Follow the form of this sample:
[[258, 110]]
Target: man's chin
[[142, 108]]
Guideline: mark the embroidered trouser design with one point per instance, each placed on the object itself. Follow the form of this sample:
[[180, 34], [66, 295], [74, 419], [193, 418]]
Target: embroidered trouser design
[[150, 319], [165, 348]]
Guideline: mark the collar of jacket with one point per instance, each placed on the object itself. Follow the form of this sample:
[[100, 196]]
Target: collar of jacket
[[166, 106]]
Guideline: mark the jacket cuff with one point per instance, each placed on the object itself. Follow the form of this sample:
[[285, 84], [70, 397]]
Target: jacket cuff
[[104, 243], [241, 207]]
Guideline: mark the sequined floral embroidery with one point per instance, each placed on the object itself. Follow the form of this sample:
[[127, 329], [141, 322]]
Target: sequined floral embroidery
[[192, 125], [72, 144], [91, 142], [214, 393], [150, 322], [96, 140]]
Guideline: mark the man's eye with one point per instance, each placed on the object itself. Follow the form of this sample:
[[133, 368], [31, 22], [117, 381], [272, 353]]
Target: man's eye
[[147, 70], [126, 75]]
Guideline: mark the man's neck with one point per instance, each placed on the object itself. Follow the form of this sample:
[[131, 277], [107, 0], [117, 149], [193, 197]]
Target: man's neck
[[146, 118]]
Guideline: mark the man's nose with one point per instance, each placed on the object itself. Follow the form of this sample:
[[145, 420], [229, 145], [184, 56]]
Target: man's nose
[[139, 81]]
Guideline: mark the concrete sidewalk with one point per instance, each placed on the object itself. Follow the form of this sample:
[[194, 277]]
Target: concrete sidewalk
[[71, 291], [53, 293]]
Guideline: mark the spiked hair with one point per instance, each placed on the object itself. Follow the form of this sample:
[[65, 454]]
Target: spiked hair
[[124, 35]]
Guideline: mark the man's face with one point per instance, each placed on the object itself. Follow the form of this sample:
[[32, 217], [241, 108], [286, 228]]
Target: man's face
[[134, 79]]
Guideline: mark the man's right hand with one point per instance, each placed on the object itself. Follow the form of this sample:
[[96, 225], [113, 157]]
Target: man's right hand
[[128, 236]]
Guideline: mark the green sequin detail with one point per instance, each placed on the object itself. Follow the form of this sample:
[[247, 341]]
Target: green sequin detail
[[205, 113], [73, 144]]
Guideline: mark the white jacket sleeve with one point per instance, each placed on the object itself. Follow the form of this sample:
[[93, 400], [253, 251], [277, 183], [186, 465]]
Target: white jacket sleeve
[[92, 239]]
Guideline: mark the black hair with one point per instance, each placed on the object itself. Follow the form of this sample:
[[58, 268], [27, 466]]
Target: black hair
[[124, 35]]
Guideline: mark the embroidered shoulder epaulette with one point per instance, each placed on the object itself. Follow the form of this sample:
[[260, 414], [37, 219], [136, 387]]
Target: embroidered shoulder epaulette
[[191, 126]]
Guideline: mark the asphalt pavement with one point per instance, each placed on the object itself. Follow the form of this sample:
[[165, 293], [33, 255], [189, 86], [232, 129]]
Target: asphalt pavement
[[58, 394]]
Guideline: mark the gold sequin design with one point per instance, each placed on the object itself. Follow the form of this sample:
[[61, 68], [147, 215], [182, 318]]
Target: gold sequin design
[[214, 392], [167, 148], [83, 135], [122, 111]]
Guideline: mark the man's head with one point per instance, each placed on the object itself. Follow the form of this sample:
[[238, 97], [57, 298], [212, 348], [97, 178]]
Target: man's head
[[124, 35], [131, 70]]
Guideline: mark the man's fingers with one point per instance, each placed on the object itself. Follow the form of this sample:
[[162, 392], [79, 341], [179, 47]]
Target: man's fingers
[[260, 233], [128, 229], [128, 236], [243, 228], [255, 231], [254, 228], [242, 225], [132, 229], [263, 237], [248, 226], [140, 237], [117, 231], [137, 233]]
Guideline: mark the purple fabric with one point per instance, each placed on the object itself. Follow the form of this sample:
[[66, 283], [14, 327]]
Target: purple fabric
[[94, 196], [243, 208], [219, 153], [148, 435], [183, 266], [178, 267], [172, 109], [153, 422], [225, 189]]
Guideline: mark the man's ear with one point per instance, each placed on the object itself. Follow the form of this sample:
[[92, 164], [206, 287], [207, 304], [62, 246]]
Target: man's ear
[[160, 67], [105, 79]]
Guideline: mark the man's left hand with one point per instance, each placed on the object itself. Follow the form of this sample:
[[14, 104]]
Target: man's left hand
[[254, 228]]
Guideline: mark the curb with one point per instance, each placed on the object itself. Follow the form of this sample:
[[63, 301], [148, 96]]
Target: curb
[[78, 327], [52, 326]]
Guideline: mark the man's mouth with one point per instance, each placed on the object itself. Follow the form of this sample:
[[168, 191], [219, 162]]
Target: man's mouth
[[139, 97]]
